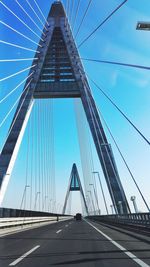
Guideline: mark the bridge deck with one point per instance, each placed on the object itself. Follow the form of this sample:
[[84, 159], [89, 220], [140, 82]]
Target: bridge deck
[[74, 244]]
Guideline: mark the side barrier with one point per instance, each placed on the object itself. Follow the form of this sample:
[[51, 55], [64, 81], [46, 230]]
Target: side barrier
[[20, 221], [133, 220], [6, 213]]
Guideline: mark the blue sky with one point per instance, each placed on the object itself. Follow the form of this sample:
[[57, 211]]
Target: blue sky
[[117, 40]]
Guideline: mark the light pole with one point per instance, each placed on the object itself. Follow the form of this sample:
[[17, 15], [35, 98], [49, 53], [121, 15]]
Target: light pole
[[36, 197], [24, 197], [92, 201], [133, 199], [120, 207], [54, 203], [58, 207], [95, 197], [102, 191], [112, 209], [50, 208], [44, 203], [88, 203]]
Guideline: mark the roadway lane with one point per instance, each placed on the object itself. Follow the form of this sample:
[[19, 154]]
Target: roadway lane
[[72, 243], [14, 245]]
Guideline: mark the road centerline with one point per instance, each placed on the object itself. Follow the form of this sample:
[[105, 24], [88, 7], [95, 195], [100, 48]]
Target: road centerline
[[23, 256], [123, 249]]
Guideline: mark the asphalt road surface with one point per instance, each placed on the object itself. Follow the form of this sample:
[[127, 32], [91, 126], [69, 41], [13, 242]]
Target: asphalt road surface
[[75, 243]]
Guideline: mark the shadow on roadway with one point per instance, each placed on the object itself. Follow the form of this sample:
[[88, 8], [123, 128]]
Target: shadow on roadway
[[51, 254]]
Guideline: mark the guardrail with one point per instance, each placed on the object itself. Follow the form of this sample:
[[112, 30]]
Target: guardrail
[[15, 217], [6, 212], [133, 219], [13, 222]]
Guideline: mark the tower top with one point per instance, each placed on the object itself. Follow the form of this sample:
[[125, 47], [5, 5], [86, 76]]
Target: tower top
[[57, 9]]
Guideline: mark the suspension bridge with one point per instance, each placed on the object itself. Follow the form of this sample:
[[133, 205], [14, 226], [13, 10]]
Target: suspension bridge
[[59, 155]]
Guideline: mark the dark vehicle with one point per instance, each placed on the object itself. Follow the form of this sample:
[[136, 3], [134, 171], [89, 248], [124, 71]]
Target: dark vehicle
[[78, 217]]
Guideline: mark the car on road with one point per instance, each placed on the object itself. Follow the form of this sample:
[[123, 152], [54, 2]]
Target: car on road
[[78, 217]]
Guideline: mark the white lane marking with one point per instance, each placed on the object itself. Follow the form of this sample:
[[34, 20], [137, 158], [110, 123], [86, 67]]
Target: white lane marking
[[128, 253], [66, 225], [23, 256], [58, 231]]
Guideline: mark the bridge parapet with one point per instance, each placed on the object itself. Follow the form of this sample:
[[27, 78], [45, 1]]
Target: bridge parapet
[[23, 219], [7, 213], [139, 221]]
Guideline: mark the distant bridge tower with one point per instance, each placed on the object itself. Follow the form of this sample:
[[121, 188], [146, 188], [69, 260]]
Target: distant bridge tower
[[60, 74], [75, 185]]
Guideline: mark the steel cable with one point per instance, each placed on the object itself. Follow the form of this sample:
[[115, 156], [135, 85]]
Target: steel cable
[[17, 59], [41, 12], [121, 112], [13, 90], [41, 30], [21, 20], [14, 106], [76, 14], [98, 27], [16, 73], [21, 34], [117, 63], [124, 160], [83, 18], [35, 13], [18, 46]]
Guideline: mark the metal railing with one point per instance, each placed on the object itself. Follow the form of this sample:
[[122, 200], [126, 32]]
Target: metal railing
[[21, 221], [132, 219], [15, 217], [6, 213]]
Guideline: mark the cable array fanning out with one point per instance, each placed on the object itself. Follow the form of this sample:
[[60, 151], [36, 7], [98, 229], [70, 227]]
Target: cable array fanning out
[[39, 190]]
